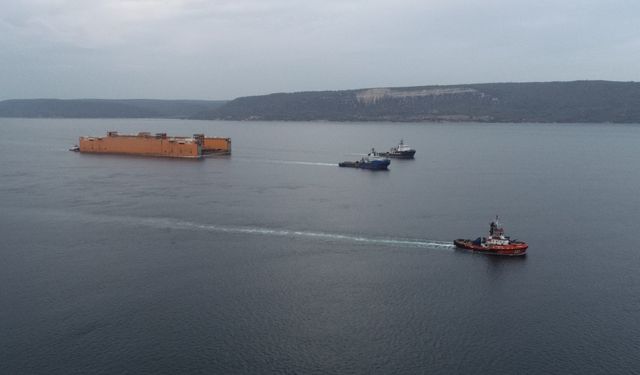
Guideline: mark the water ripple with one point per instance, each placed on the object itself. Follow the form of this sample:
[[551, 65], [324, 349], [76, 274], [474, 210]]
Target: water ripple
[[419, 243]]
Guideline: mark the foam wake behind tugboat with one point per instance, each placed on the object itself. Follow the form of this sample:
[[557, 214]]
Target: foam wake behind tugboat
[[401, 151], [372, 161], [497, 243]]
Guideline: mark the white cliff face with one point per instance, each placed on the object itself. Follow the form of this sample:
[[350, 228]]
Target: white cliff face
[[371, 96]]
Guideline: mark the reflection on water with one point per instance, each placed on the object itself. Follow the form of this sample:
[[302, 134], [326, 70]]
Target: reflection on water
[[274, 259]]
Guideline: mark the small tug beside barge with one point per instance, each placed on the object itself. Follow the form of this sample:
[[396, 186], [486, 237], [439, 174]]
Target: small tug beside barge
[[372, 161], [401, 151], [496, 244]]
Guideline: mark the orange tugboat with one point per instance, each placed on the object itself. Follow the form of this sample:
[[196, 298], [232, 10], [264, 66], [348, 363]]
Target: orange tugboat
[[497, 243]]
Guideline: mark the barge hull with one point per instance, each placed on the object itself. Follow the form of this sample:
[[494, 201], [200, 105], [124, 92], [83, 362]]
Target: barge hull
[[216, 146], [158, 145]]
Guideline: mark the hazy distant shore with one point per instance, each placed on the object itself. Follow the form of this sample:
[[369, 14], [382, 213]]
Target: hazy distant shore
[[536, 102]]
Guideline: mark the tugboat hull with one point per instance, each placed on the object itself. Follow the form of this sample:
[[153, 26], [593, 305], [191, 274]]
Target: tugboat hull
[[401, 151], [399, 154], [376, 165], [514, 248]]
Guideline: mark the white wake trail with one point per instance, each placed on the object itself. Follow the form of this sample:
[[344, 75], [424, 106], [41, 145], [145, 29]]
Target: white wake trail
[[288, 162], [420, 243]]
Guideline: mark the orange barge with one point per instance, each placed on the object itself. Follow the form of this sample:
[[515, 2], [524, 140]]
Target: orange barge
[[159, 144]]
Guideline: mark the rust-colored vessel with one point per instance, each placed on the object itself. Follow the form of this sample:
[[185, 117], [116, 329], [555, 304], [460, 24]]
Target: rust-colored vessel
[[216, 146], [497, 243], [158, 144]]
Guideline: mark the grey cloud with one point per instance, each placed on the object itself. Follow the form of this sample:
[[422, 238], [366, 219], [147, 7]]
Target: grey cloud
[[222, 49]]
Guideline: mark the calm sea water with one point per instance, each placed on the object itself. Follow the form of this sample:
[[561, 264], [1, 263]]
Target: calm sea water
[[274, 260]]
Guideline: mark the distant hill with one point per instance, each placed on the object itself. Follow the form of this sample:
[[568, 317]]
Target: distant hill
[[105, 108], [578, 101]]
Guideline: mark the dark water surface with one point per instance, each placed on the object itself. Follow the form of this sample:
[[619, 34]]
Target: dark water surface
[[276, 260]]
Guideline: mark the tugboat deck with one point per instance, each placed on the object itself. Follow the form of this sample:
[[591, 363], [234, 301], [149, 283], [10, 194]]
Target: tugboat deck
[[497, 243]]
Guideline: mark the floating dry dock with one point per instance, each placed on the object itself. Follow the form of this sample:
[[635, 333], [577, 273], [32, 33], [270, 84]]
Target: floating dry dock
[[158, 144]]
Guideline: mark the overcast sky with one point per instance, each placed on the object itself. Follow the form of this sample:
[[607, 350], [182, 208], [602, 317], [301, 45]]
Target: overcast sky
[[222, 49]]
